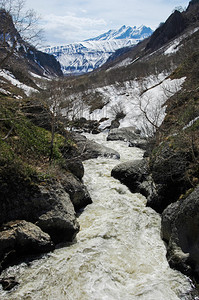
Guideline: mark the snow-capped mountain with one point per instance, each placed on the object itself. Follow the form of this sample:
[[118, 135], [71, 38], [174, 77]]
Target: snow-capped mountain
[[83, 57], [125, 32]]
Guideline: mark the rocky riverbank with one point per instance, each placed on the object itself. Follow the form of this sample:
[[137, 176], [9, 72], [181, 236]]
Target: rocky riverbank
[[36, 216], [168, 179]]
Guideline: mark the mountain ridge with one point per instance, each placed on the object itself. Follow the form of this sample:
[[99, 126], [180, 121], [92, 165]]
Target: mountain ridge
[[86, 56], [18, 52], [111, 92], [124, 32]]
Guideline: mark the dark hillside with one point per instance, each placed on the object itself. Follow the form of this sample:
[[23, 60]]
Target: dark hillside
[[15, 51], [169, 177], [148, 56], [174, 164], [174, 25]]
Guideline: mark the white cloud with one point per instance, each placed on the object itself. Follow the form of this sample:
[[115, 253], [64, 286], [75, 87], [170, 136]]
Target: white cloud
[[70, 28], [72, 21], [76, 20]]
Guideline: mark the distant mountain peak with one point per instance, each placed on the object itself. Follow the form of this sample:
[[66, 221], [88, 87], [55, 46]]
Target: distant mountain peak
[[125, 32], [83, 57], [193, 5]]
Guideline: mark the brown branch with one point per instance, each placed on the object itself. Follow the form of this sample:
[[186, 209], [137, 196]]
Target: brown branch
[[8, 134], [147, 118], [9, 53]]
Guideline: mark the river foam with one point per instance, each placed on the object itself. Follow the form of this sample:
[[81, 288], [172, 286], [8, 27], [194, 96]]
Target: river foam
[[118, 253]]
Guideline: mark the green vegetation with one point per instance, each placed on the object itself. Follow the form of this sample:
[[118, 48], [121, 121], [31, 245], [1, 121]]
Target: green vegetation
[[25, 149], [179, 133]]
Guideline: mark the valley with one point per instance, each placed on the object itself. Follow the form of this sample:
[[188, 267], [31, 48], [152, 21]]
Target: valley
[[86, 56], [99, 172]]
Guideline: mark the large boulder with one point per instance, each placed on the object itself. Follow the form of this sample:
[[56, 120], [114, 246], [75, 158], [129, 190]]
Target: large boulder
[[75, 166], [180, 223], [168, 168], [49, 206], [78, 192], [8, 283], [128, 134], [21, 238], [135, 175], [84, 125], [114, 124], [56, 214], [88, 149]]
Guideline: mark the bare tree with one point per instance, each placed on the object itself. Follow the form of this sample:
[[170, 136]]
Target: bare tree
[[151, 114], [118, 111], [53, 99], [61, 109], [17, 27], [150, 106]]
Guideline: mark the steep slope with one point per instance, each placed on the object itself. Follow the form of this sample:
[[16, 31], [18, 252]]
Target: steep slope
[[86, 56], [176, 25], [136, 80], [41, 63], [169, 177], [16, 54], [125, 32]]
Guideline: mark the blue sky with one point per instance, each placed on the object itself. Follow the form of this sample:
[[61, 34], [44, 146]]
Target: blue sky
[[67, 21]]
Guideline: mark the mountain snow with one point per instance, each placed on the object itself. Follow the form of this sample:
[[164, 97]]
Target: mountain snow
[[134, 98], [83, 57], [11, 78], [175, 45], [125, 32]]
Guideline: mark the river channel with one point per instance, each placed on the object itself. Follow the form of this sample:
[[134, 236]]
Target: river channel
[[118, 253]]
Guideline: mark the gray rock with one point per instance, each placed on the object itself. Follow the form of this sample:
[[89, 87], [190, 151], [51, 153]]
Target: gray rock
[[128, 134], [135, 175], [56, 214], [180, 223], [48, 205], [76, 167], [78, 192], [22, 238], [8, 283], [168, 168], [89, 149], [114, 124]]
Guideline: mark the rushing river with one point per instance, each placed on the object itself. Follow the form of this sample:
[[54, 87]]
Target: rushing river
[[118, 253]]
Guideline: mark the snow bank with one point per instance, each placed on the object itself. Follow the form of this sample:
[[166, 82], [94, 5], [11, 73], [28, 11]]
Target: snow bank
[[190, 123], [4, 92], [11, 78], [142, 102], [174, 46]]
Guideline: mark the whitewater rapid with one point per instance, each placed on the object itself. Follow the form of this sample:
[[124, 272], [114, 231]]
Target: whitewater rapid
[[118, 253]]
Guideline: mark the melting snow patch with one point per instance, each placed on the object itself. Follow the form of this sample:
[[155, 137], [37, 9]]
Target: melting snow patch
[[38, 76], [191, 123], [137, 101], [173, 48], [10, 77], [4, 92]]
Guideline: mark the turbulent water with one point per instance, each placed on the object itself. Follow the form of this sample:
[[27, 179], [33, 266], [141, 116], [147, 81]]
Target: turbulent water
[[118, 253]]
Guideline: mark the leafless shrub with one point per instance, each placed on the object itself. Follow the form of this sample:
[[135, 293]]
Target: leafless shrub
[[118, 111], [17, 25]]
